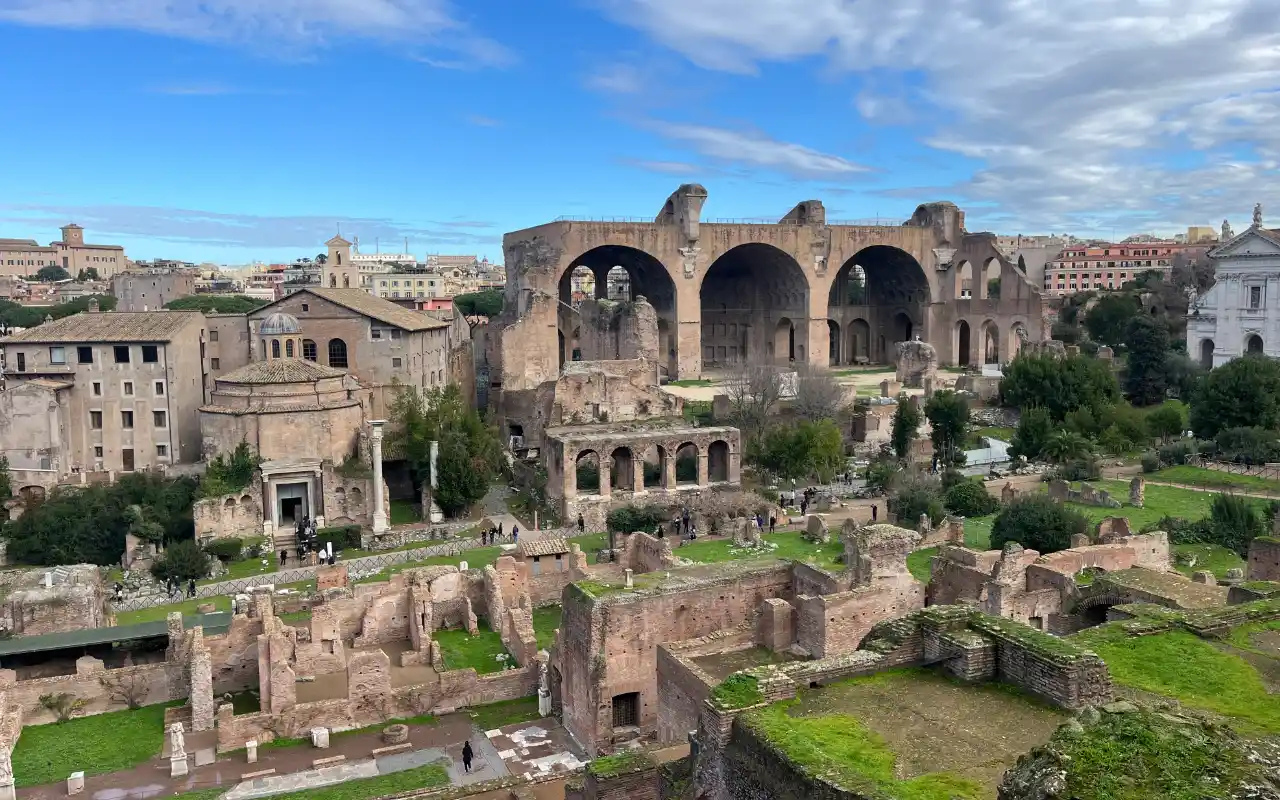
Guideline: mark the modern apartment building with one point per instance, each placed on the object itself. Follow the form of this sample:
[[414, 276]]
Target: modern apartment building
[[1101, 265], [21, 257]]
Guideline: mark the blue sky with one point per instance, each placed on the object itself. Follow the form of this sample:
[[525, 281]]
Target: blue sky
[[231, 130]]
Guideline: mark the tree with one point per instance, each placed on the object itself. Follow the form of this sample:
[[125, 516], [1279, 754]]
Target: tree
[[1034, 428], [754, 391], [804, 450], [216, 303], [916, 495], [1243, 392], [818, 395], [948, 415], [1063, 446], [1234, 523], [970, 498], [129, 687], [1147, 381], [993, 288], [13, 315], [90, 274], [1037, 523], [485, 304], [6, 481], [322, 259], [1107, 321], [52, 273], [470, 453], [1167, 422], [1183, 375], [1060, 385], [182, 561], [143, 527], [906, 420]]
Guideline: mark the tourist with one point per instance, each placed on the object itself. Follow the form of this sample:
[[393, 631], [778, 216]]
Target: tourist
[[515, 533], [284, 557], [191, 588], [119, 591], [467, 755], [499, 530], [773, 521], [760, 522], [804, 506], [582, 525], [874, 512], [332, 559]]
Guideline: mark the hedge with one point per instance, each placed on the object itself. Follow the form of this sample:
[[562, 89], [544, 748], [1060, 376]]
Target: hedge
[[344, 537]]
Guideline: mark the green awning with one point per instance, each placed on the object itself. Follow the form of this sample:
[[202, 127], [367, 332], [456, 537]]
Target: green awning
[[214, 623]]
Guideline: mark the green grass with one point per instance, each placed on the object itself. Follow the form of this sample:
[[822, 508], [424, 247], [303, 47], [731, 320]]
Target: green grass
[[920, 563], [841, 749], [1183, 666], [460, 650], [297, 618], [977, 532], [1214, 479], [427, 777], [1160, 501], [248, 568], [1213, 557], [1242, 636], [110, 742], [621, 763], [790, 545], [504, 712], [842, 373], [402, 513], [283, 742], [221, 603], [691, 382], [545, 622], [737, 691], [1003, 434]]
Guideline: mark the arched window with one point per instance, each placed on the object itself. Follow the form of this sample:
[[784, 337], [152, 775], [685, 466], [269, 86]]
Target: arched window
[[346, 281], [309, 349], [333, 281], [288, 348], [275, 348], [339, 255], [337, 353]]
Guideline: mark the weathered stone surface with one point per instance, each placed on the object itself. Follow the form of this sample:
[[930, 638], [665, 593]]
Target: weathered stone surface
[[917, 362], [320, 737], [395, 734]]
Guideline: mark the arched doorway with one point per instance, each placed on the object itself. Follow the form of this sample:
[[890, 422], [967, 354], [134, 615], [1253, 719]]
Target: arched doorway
[[963, 345], [1206, 353], [686, 464], [1018, 338], [964, 281], [990, 343], [631, 273], [746, 296], [880, 294], [718, 462], [989, 286], [586, 470], [835, 357], [1253, 345], [622, 476], [655, 467]]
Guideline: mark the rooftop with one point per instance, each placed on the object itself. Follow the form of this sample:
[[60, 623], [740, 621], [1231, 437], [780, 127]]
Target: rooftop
[[215, 623], [543, 546], [110, 326], [636, 430], [282, 370], [361, 302]]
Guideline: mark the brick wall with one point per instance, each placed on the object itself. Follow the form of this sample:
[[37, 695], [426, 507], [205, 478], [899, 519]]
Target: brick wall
[[152, 680], [1264, 559], [238, 514], [836, 623], [682, 688]]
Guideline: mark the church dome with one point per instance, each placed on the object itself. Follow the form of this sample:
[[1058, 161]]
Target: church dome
[[279, 324]]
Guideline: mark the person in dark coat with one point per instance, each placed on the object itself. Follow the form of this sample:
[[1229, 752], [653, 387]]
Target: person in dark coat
[[467, 755], [191, 588]]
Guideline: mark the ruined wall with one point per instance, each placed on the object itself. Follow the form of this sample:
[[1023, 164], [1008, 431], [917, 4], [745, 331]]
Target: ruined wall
[[646, 553], [1264, 559], [836, 623], [151, 682], [238, 514], [682, 688], [234, 655], [611, 331], [79, 603]]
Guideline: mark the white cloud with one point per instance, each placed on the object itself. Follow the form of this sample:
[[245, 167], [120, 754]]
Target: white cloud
[[754, 149], [1079, 110], [615, 79], [276, 23]]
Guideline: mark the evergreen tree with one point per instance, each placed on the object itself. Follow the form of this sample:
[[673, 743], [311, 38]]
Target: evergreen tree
[[1147, 341]]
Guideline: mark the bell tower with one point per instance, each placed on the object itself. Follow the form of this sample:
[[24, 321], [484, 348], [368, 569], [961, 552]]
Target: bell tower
[[339, 272]]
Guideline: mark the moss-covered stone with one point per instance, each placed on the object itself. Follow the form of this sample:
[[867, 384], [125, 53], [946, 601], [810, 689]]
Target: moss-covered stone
[[621, 763], [739, 690]]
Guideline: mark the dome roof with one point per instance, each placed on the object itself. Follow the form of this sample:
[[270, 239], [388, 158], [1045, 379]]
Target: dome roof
[[279, 324]]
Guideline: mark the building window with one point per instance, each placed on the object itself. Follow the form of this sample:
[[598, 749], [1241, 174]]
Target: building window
[[121, 353], [84, 355], [159, 387], [128, 388], [95, 420], [275, 348], [159, 419], [626, 710], [395, 333], [150, 354], [57, 355], [215, 363], [97, 389], [337, 353], [162, 450], [396, 363], [308, 350], [97, 451], [288, 348], [1255, 297], [126, 419], [22, 362], [306, 307], [213, 336], [377, 334]]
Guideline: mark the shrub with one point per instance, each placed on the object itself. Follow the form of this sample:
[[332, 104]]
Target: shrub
[[970, 499], [1078, 469], [1183, 531], [1177, 452], [1038, 523], [225, 549], [915, 496], [1150, 462], [1248, 445], [880, 474], [1234, 522], [344, 537], [230, 473], [629, 519], [951, 477], [63, 705], [182, 561]]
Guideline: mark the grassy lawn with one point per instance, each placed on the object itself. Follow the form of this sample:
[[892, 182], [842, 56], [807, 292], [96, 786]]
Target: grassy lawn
[[101, 743], [402, 513], [295, 617], [1215, 479], [221, 603], [504, 712], [460, 650], [1003, 434], [692, 382], [1185, 667], [365, 788], [545, 622], [1160, 501], [977, 532], [920, 563], [247, 569], [790, 545], [1215, 558]]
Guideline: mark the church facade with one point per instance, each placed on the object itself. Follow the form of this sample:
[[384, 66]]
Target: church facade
[[1240, 313]]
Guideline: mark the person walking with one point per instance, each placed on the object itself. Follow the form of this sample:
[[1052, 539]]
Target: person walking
[[191, 588], [582, 525], [515, 534], [284, 556], [874, 512], [467, 755], [773, 521]]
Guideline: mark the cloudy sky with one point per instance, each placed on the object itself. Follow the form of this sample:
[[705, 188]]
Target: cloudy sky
[[231, 130]]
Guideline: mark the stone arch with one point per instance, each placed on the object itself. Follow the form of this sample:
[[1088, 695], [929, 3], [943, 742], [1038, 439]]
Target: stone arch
[[355, 498], [783, 346], [622, 476], [964, 344], [230, 502], [687, 464], [337, 353], [1253, 345], [30, 494], [718, 461], [859, 341], [835, 343], [745, 296], [990, 342], [586, 472], [989, 283], [654, 466], [1018, 338], [618, 285], [1206, 353], [894, 296], [963, 281], [246, 500], [340, 498]]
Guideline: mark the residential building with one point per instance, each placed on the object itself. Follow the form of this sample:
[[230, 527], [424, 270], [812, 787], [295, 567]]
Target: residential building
[[1010, 245], [1102, 265], [1236, 315], [21, 257], [151, 290], [1200, 234], [115, 391]]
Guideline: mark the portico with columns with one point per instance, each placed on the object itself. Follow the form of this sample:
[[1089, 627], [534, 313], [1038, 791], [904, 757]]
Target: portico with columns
[[291, 490]]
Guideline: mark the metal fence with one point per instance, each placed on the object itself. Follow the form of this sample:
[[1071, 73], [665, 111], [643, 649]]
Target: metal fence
[[356, 567]]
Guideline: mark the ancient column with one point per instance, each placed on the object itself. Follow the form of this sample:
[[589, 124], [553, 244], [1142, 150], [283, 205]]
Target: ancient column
[[7, 791], [703, 479], [379, 513], [606, 476]]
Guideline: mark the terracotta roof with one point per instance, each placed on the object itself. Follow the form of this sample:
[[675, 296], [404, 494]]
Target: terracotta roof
[[361, 302], [281, 370], [111, 326], [544, 546]]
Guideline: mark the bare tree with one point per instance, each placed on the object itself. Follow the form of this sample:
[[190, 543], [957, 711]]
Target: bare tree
[[129, 688], [818, 395], [754, 391]]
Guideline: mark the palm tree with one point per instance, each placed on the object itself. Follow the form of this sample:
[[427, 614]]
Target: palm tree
[[1065, 446]]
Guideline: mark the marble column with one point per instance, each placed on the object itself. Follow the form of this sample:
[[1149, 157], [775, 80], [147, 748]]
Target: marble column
[[379, 513]]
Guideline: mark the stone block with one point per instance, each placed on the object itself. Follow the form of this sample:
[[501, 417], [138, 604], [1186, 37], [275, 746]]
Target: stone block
[[75, 783], [391, 748], [251, 752], [178, 767], [395, 734], [262, 773], [206, 608], [205, 756], [320, 737], [327, 762]]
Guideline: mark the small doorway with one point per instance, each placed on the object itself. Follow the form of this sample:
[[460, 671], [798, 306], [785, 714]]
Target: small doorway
[[626, 710], [126, 459], [292, 498]]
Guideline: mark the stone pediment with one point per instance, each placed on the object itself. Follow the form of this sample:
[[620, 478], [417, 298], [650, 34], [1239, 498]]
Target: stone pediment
[[1253, 242]]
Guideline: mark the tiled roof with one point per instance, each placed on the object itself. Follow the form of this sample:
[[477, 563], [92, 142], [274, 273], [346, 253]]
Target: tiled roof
[[544, 546], [110, 326], [361, 302], [281, 370]]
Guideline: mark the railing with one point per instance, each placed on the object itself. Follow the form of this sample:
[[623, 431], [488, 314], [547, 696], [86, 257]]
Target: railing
[[874, 222], [574, 218], [357, 568]]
